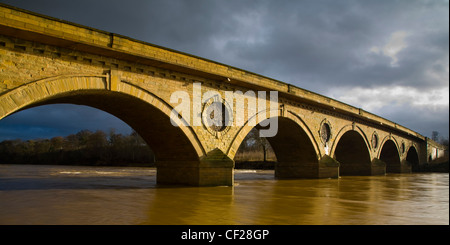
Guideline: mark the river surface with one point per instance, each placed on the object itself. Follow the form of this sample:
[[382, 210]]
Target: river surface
[[74, 195]]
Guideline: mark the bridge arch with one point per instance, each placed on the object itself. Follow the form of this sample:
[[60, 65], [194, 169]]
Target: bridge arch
[[389, 153], [294, 146], [352, 150], [412, 157], [244, 130], [140, 109]]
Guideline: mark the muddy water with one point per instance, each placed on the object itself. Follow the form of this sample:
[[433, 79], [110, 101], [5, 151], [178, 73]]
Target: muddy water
[[118, 195]]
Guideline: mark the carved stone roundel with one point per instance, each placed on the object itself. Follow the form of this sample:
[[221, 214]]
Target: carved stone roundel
[[215, 115], [325, 132], [374, 141]]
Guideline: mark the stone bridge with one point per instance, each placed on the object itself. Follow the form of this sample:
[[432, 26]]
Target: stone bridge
[[44, 60]]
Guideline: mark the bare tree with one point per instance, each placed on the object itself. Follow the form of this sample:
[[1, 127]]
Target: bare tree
[[435, 135]]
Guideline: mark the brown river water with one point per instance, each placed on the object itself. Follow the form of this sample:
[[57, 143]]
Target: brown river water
[[72, 195]]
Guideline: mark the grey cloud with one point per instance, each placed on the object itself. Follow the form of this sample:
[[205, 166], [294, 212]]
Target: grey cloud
[[332, 47], [423, 119]]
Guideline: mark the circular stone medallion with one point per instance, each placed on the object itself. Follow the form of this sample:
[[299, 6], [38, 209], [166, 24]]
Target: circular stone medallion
[[325, 132], [215, 116]]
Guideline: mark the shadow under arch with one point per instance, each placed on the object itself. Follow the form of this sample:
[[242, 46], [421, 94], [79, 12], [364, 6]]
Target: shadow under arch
[[141, 110], [352, 151], [294, 146], [246, 128], [390, 155], [412, 157]]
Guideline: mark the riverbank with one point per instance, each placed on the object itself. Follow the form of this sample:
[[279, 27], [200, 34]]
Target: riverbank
[[255, 165]]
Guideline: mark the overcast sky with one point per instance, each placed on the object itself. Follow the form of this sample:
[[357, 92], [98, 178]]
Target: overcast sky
[[390, 58]]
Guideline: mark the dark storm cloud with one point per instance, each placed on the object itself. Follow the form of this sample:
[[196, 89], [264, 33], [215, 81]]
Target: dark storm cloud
[[313, 44], [329, 47], [175, 24], [423, 119]]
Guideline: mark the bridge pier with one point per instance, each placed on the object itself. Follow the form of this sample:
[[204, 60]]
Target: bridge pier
[[327, 167], [377, 167], [403, 167], [398, 167], [216, 169]]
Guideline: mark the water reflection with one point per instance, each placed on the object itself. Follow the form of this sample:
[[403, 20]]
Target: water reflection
[[87, 195], [208, 205]]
